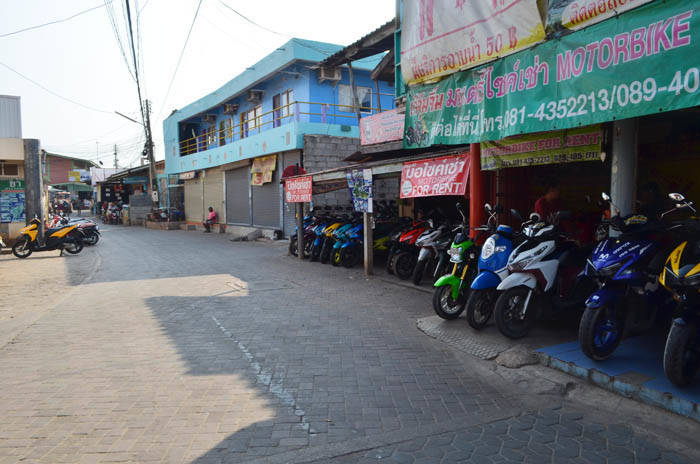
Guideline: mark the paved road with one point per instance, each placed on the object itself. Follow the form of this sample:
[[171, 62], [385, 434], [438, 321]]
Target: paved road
[[186, 347]]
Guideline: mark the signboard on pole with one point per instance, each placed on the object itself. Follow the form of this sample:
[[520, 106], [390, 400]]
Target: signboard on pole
[[298, 190], [439, 37], [360, 185], [446, 175], [381, 127], [643, 62], [566, 146]]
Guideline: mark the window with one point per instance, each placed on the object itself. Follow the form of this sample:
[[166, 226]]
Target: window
[[211, 136], [282, 106], [9, 169], [251, 120], [364, 95], [229, 128], [222, 133]]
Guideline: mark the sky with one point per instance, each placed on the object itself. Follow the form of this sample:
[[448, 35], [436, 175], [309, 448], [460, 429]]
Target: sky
[[80, 59]]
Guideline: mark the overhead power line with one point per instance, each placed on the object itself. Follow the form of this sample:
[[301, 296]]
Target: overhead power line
[[182, 52], [253, 22], [54, 22], [52, 92]]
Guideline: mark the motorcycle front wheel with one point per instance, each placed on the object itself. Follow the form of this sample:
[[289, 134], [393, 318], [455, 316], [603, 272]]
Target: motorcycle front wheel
[[403, 264], [480, 307], [419, 270], [336, 257], [508, 313], [21, 248], [444, 305], [682, 354], [293, 246], [350, 256], [326, 250], [91, 238], [599, 333]]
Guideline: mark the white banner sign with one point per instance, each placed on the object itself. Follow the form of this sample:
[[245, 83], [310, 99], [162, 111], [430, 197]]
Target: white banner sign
[[439, 37]]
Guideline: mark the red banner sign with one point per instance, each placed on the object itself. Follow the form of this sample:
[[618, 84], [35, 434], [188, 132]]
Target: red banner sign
[[382, 127], [298, 190], [446, 175]]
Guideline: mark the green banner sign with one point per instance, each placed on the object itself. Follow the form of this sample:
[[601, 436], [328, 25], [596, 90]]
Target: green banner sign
[[644, 61], [564, 146], [12, 185]]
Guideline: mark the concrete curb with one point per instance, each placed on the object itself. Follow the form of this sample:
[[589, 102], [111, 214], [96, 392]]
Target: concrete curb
[[664, 400], [356, 445]]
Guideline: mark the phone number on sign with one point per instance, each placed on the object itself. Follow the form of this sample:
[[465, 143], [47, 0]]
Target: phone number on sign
[[619, 96]]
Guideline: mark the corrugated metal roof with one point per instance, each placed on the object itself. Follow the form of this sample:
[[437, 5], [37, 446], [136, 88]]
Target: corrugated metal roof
[[378, 41], [10, 117]]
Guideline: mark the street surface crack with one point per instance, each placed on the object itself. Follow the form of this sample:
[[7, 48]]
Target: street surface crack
[[275, 387]]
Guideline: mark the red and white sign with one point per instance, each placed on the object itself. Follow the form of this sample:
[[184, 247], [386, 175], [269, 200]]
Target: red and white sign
[[298, 190], [446, 175], [382, 127]]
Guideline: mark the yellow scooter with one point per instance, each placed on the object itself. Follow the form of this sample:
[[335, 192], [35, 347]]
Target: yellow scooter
[[68, 238]]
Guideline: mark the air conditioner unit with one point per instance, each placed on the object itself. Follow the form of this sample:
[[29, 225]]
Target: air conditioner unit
[[210, 118], [230, 108], [328, 74], [255, 96]]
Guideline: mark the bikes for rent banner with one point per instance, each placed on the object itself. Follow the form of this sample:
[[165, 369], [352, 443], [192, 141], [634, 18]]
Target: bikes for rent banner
[[298, 190], [566, 146], [439, 37], [572, 15], [446, 175], [644, 61], [360, 185]]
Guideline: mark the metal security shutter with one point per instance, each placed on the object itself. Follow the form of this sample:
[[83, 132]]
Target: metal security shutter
[[289, 209], [214, 192], [266, 201], [237, 181], [193, 200]]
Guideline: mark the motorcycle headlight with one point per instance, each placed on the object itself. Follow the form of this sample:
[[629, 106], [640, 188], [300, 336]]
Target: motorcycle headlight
[[610, 270], [455, 254], [488, 249]]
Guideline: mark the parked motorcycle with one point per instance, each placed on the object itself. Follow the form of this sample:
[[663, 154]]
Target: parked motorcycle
[[681, 277], [68, 238], [539, 268], [90, 230], [625, 270], [452, 290], [492, 267], [307, 224], [432, 254], [405, 253]]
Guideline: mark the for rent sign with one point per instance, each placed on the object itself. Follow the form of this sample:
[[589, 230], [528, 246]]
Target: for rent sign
[[298, 190], [446, 175]]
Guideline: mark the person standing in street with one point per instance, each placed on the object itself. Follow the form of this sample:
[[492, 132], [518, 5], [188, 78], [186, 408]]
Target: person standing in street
[[211, 219]]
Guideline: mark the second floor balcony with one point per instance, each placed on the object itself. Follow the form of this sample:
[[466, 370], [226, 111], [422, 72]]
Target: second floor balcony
[[251, 123]]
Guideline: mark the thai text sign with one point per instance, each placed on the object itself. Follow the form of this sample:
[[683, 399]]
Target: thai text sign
[[643, 62], [262, 169], [298, 190], [381, 127], [567, 146], [439, 37], [446, 175], [577, 14]]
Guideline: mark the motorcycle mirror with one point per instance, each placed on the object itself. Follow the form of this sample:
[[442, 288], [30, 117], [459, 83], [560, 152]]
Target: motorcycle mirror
[[487, 207], [587, 198], [431, 223], [514, 212], [534, 217], [605, 196], [676, 196], [458, 205]]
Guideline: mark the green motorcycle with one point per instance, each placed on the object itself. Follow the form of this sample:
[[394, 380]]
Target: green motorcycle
[[452, 290]]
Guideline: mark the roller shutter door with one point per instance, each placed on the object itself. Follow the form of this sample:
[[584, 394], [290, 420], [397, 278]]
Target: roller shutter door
[[214, 192], [237, 181], [289, 209], [193, 200], [267, 200]]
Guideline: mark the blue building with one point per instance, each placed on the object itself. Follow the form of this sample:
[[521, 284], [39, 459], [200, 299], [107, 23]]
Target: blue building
[[228, 149]]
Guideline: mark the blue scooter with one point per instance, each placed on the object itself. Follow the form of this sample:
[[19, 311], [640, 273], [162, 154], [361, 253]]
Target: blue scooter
[[351, 250], [492, 269], [624, 268]]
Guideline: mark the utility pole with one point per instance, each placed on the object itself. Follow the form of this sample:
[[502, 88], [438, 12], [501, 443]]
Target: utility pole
[[116, 165], [145, 116]]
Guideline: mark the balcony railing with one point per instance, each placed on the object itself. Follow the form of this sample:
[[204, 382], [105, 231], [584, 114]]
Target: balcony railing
[[325, 113]]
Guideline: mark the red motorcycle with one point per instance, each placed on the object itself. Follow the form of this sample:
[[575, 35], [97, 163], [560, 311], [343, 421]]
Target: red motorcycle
[[405, 254]]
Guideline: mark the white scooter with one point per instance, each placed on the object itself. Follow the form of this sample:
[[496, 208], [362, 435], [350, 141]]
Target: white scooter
[[534, 268]]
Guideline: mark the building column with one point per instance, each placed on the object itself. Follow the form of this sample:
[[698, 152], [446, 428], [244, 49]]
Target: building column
[[623, 178], [476, 188], [33, 183]]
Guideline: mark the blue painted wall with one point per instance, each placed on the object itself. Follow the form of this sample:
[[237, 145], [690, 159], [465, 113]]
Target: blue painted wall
[[289, 67]]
